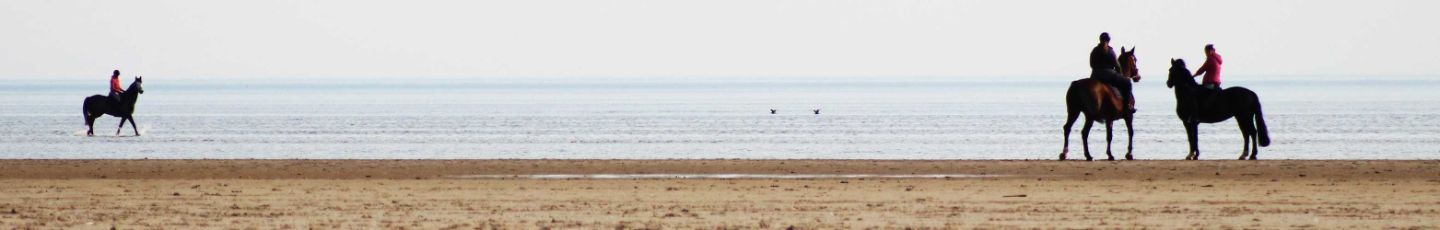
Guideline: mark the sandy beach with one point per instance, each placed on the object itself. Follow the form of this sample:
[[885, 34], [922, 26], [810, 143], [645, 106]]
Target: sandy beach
[[771, 194]]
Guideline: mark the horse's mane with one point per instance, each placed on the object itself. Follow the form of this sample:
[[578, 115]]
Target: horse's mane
[[1179, 64], [1127, 68], [132, 92], [1180, 75], [133, 86]]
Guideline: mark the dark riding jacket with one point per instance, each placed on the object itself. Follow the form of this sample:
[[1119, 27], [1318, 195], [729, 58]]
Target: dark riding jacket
[[1102, 58]]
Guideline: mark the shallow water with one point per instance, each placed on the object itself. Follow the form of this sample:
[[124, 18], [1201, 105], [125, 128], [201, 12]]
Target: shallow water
[[645, 119]]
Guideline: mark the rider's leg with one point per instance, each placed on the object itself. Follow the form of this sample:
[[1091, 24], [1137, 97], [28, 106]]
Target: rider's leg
[[1120, 83], [1206, 93]]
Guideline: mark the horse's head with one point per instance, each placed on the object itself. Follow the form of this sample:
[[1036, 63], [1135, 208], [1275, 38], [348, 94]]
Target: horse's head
[[1128, 68], [1178, 74], [137, 86]]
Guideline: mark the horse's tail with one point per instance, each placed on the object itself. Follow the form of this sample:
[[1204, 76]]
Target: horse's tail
[[1260, 125], [85, 110], [1072, 97]]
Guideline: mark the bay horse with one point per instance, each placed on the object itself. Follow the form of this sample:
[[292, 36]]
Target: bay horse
[[1100, 102], [1237, 102], [100, 105]]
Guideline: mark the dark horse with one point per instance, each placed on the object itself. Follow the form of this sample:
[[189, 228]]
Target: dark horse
[[99, 105], [1100, 102], [1237, 102]]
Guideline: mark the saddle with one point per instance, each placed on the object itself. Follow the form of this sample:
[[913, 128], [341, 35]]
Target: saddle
[[116, 97], [1205, 96]]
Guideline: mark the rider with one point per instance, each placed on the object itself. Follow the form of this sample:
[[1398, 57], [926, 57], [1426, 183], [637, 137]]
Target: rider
[[115, 90], [1211, 68], [1105, 68]]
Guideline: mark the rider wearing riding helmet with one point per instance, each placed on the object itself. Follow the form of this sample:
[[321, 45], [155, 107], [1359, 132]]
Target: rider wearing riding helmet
[[115, 90], [1105, 68]]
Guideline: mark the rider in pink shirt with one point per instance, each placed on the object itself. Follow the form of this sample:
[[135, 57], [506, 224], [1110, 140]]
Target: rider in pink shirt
[[1211, 68], [115, 90]]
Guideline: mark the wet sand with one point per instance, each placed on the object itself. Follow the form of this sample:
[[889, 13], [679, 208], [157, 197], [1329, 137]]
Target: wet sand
[[469, 194]]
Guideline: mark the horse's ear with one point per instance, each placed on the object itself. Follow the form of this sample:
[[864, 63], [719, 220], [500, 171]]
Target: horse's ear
[[1132, 49]]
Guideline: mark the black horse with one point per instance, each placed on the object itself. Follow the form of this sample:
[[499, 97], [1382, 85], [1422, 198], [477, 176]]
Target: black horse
[[1213, 107], [99, 105], [1100, 102]]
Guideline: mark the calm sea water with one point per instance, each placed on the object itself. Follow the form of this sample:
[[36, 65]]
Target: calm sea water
[[647, 119]]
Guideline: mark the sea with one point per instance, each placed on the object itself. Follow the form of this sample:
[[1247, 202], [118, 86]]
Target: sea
[[666, 118]]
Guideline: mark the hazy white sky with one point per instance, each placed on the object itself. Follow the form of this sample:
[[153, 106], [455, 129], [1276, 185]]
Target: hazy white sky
[[45, 39]]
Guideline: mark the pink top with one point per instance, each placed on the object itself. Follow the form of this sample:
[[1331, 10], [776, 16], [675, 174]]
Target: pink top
[[1211, 69], [115, 84]]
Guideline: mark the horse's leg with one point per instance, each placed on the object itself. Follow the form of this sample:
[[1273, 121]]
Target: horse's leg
[[90, 125], [1245, 151], [133, 126], [1255, 147], [1130, 146], [1109, 135], [1254, 138], [1192, 134], [1247, 131], [122, 126], [1085, 137], [1069, 122], [89, 121]]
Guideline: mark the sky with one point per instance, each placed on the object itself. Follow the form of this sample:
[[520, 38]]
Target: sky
[[469, 39]]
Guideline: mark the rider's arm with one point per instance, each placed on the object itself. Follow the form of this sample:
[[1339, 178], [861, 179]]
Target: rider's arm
[[1204, 68]]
